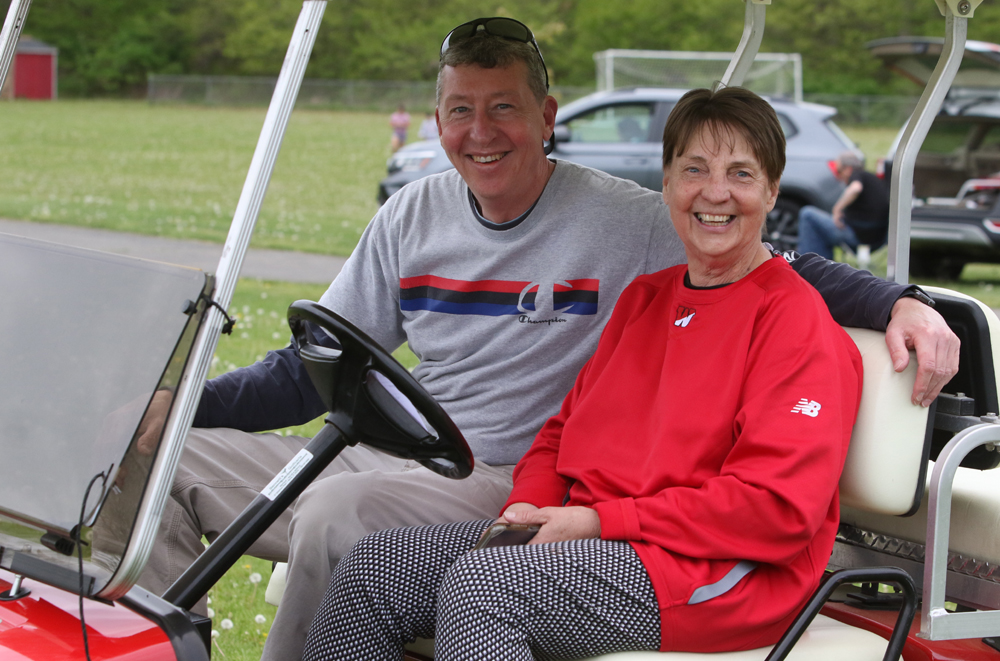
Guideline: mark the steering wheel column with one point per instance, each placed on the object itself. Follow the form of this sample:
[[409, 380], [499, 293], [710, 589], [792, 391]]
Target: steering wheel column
[[372, 399]]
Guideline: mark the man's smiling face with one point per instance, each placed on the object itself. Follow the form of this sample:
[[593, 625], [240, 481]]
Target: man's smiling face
[[492, 129]]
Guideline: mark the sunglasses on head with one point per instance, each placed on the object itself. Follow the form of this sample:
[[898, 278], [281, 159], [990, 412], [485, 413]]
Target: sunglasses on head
[[507, 28]]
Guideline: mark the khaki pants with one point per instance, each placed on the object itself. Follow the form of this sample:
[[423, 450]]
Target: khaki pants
[[361, 491]]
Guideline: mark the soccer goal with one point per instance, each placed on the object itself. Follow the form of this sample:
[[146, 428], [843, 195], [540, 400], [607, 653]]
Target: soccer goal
[[772, 74]]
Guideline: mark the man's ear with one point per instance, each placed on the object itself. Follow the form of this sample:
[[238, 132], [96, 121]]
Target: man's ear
[[549, 108]]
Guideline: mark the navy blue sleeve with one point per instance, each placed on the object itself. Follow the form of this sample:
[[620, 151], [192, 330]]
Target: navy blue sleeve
[[855, 298], [273, 393]]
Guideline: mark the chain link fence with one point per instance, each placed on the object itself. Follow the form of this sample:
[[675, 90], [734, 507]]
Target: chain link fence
[[376, 95], [868, 110], [384, 96]]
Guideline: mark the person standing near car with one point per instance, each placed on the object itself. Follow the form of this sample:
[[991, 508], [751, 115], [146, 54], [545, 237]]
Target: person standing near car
[[500, 274], [860, 215], [400, 123]]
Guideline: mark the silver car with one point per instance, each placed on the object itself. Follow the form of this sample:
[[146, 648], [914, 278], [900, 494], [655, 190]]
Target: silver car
[[620, 133]]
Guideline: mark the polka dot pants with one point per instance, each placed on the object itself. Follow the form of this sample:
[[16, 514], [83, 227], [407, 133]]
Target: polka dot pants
[[566, 600]]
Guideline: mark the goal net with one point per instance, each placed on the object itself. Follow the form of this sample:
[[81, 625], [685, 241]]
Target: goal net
[[773, 74]]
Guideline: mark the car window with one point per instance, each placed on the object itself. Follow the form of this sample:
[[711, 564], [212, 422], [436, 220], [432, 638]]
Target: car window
[[839, 133], [991, 141], [787, 126], [626, 122], [947, 137]]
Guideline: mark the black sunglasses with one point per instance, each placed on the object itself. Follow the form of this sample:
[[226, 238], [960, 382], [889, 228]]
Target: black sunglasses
[[506, 28]]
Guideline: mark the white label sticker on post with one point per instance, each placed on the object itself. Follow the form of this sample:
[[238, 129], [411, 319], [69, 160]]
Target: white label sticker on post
[[287, 474]]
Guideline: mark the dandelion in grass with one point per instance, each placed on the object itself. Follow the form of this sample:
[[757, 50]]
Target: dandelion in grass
[[255, 579], [226, 624], [211, 613], [215, 635], [259, 619]]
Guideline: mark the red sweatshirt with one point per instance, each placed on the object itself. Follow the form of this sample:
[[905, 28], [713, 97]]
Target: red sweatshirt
[[709, 430]]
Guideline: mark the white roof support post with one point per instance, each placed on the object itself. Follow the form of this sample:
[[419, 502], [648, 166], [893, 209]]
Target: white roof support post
[[12, 25], [936, 623], [247, 211], [753, 33], [956, 13]]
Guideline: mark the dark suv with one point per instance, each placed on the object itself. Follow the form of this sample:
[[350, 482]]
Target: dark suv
[[956, 179], [620, 132]]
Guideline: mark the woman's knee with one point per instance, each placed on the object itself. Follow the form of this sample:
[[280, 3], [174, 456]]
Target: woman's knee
[[473, 583]]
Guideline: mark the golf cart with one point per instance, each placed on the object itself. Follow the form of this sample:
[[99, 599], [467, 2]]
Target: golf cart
[[75, 536]]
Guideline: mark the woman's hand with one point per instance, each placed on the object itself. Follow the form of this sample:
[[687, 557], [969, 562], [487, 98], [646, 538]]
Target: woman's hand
[[558, 524], [514, 509]]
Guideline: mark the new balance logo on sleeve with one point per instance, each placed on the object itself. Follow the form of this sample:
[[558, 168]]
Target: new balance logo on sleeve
[[684, 316], [806, 407]]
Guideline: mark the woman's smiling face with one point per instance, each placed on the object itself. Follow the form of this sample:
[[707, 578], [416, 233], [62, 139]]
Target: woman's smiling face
[[719, 196]]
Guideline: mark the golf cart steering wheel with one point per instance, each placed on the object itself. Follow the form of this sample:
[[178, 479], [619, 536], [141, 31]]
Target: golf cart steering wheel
[[372, 399]]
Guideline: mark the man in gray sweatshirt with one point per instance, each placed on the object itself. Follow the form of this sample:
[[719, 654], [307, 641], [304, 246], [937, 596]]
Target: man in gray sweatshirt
[[500, 275]]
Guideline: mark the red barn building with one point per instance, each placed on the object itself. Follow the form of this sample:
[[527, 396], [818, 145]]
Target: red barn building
[[33, 74]]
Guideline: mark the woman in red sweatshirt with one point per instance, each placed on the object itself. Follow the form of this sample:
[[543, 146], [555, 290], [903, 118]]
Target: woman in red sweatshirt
[[686, 493]]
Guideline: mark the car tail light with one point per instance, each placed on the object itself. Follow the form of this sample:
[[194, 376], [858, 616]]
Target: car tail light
[[986, 184], [992, 224]]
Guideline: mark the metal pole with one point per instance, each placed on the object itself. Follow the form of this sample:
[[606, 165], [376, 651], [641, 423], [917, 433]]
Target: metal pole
[[16, 15], [901, 191], [753, 33], [936, 623], [247, 210]]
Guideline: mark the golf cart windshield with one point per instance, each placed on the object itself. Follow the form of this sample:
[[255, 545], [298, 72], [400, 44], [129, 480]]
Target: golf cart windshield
[[87, 339]]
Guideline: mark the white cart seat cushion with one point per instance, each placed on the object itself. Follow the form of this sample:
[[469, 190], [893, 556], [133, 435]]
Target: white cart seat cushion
[[975, 510], [825, 640], [883, 468]]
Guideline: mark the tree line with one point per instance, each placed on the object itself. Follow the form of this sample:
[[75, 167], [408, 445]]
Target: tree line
[[107, 47]]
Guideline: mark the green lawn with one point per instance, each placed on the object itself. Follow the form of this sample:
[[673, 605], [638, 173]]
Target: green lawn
[[178, 170], [874, 141]]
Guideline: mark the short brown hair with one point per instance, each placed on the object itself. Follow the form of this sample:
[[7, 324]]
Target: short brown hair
[[489, 51], [734, 109]]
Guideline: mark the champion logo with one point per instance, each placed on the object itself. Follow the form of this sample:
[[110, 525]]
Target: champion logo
[[807, 407], [684, 316]]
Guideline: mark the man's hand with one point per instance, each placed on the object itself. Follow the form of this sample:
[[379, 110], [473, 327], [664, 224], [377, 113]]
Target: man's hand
[[917, 326], [152, 423], [558, 524]]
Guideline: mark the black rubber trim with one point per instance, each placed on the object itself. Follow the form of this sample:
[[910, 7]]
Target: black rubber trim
[[51, 574], [187, 642]]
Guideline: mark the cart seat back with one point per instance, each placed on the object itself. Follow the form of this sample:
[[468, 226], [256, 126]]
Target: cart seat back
[[887, 459], [969, 399]]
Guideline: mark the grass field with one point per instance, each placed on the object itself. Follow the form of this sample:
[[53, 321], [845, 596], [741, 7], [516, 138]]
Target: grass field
[[178, 170]]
